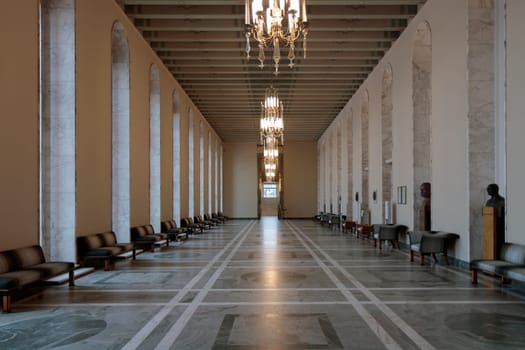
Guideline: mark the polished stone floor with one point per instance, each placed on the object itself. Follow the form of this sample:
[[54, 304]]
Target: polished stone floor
[[270, 285]]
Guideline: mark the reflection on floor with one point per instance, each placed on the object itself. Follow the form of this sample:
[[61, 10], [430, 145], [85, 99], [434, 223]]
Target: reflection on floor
[[270, 284]]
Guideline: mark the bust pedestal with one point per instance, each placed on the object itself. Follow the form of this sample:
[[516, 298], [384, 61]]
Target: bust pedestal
[[490, 233]]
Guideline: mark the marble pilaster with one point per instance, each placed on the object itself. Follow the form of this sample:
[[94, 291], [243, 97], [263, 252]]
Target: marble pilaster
[[120, 209], [350, 154], [364, 151], [481, 39], [386, 131], [58, 130], [154, 114], [422, 106], [176, 156], [191, 156]]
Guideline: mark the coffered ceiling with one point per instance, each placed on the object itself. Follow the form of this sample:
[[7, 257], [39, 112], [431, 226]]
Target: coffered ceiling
[[202, 43]]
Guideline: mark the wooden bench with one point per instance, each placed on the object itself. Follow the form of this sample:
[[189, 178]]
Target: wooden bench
[[27, 266], [510, 265], [103, 246], [175, 233], [145, 236]]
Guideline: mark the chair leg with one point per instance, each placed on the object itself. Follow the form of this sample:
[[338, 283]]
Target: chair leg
[[375, 242], [134, 253], [435, 257], [107, 265], [6, 303], [421, 260], [71, 278], [380, 244], [474, 276], [411, 256], [445, 257]]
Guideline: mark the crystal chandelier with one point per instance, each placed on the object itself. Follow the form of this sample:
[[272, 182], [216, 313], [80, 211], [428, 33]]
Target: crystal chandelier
[[270, 168], [280, 22], [270, 148], [272, 115]]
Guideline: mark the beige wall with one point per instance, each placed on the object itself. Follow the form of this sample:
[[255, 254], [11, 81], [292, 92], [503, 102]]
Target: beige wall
[[450, 206], [94, 22], [515, 121], [240, 180], [300, 179], [19, 123], [93, 121]]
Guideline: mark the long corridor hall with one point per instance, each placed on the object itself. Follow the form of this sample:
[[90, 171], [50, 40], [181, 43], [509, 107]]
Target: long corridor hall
[[269, 284]]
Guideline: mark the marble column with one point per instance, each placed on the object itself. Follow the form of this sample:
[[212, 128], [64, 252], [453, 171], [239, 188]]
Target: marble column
[[364, 155], [176, 156], [350, 154], [422, 107], [58, 129], [481, 17], [120, 183], [386, 131], [154, 154]]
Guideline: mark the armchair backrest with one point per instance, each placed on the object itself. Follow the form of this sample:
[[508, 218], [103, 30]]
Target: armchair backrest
[[108, 238], [514, 253], [415, 236], [168, 225]]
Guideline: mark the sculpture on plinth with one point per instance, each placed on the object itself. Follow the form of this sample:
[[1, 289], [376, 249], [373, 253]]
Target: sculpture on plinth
[[498, 202], [425, 212]]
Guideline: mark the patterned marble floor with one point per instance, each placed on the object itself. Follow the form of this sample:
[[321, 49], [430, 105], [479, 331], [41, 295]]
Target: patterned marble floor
[[270, 285]]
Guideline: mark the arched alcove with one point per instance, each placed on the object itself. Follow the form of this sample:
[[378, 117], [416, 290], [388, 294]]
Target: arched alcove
[[120, 125], [176, 156], [364, 156], [386, 131], [422, 103], [154, 142]]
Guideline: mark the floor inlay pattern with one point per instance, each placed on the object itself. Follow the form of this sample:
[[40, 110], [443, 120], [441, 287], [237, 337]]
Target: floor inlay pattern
[[269, 285]]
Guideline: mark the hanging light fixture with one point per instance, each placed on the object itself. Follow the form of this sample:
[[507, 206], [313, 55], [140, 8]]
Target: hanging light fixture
[[270, 148], [272, 115], [270, 168], [280, 22]]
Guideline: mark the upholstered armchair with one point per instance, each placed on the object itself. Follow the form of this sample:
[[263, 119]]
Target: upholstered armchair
[[384, 232], [425, 243]]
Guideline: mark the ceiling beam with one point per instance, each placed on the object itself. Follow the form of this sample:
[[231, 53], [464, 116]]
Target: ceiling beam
[[161, 28], [214, 17], [241, 2]]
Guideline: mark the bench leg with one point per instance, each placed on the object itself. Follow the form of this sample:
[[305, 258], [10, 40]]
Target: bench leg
[[134, 253], [380, 245], [421, 260], [107, 265], [6, 303], [445, 256], [71, 278], [474, 276], [411, 256]]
